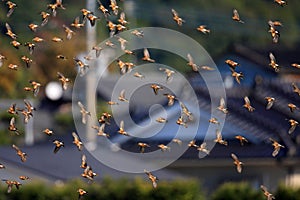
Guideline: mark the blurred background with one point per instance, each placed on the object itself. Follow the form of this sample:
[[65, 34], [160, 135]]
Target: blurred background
[[213, 177]]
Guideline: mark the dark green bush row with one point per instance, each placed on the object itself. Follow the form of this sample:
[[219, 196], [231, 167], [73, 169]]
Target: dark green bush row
[[139, 189], [243, 191], [108, 189]]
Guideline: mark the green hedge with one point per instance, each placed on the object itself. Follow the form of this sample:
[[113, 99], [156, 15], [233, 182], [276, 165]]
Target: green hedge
[[286, 193], [237, 191], [108, 189], [141, 189]]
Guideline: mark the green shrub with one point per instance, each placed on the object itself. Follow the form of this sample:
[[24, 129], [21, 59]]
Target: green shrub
[[286, 193], [237, 191], [122, 189]]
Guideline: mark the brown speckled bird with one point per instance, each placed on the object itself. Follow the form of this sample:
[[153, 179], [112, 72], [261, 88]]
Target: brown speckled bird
[[152, 178], [84, 112], [147, 56], [11, 7], [77, 141], [176, 18], [156, 88], [142, 146], [12, 126], [237, 163], [296, 88], [121, 129], [270, 102], [267, 193], [20, 153], [64, 81], [81, 193], [203, 29], [276, 146], [241, 139], [273, 63], [293, 125], [219, 138], [236, 16], [222, 106], [191, 63], [247, 104], [9, 32], [58, 145]]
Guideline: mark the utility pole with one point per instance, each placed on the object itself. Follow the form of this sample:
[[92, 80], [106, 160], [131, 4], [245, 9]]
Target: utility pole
[[90, 79]]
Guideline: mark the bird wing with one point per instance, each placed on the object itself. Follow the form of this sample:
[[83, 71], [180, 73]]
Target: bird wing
[[236, 14], [234, 157], [146, 53], [16, 148], [247, 101], [292, 128], [122, 94], [122, 125], [75, 136], [175, 14], [272, 58], [12, 121]]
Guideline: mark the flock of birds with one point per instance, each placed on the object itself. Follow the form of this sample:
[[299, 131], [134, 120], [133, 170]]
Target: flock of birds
[[126, 67]]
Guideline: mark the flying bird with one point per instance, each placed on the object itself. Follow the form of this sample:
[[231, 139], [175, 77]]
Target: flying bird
[[64, 81], [89, 173], [176, 18], [270, 102], [237, 163], [156, 88], [58, 145], [10, 184], [219, 138], [241, 139], [20, 153], [142, 146], [121, 129], [45, 18], [293, 125], [9, 32], [280, 2], [267, 193], [83, 162], [273, 63], [81, 193], [171, 98], [152, 178], [247, 104], [69, 32], [77, 141], [122, 96], [164, 147], [11, 7], [222, 106], [191, 63], [296, 89], [84, 112], [276, 146], [114, 7], [203, 29], [292, 107], [168, 72], [48, 132], [236, 16], [76, 23], [147, 56], [203, 148], [100, 130], [12, 126]]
